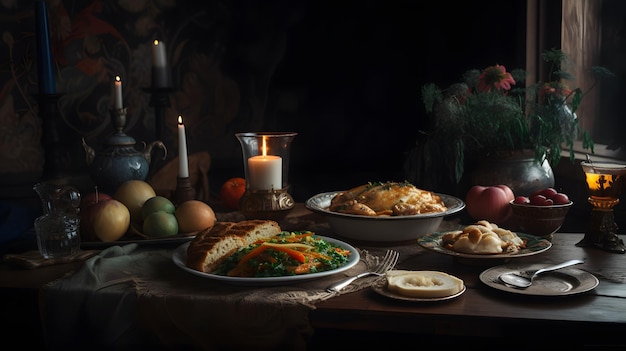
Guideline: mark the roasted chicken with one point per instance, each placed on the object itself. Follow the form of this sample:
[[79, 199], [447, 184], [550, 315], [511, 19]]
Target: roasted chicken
[[387, 199]]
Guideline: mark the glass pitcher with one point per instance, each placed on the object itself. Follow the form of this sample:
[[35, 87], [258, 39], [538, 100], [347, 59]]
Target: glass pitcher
[[57, 230]]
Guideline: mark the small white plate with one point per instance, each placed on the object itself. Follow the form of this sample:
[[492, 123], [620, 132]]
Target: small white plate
[[563, 282], [380, 286], [180, 258]]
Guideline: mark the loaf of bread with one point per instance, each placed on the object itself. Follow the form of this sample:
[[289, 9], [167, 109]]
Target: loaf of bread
[[211, 247], [423, 284]]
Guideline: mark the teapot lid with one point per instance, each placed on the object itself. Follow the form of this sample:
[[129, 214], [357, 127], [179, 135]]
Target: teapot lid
[[120, 138]]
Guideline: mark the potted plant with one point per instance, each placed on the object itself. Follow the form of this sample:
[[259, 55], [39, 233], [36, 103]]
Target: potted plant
[[490, 114]]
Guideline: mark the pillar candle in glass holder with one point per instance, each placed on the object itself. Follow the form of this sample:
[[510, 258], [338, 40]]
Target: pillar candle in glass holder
[[117, 94], [183, 162], [265, 171], [47, 83], [160, 73]]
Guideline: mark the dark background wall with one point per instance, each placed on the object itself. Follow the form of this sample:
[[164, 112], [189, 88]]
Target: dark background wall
[[350, 77], [345, 75]]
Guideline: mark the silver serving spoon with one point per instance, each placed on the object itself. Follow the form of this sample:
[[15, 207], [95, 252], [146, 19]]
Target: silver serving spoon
[[517, 280]]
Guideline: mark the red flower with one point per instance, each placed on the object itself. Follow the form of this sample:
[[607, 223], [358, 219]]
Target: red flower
[[495, 78], [553, 91]]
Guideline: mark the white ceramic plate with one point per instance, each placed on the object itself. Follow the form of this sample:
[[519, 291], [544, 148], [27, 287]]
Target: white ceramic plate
[[180, 257], [534, 245], [381, 229], [565, 281], [380, 286]]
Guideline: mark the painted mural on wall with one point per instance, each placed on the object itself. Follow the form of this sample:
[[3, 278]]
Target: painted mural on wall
[[218, 87]]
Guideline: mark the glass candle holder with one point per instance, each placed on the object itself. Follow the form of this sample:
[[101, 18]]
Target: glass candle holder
[[605, 182], [266, 168]]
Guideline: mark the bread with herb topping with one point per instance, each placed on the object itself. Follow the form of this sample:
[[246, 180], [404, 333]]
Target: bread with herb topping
[[209, 248]]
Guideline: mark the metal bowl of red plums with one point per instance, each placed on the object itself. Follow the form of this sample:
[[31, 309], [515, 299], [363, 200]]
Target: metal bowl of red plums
[[542, 213], [347, 211]]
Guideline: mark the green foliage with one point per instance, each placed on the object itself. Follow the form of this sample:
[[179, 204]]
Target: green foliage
[[468, 121]]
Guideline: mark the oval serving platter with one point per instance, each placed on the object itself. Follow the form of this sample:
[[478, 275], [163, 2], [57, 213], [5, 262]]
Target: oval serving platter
[[534, 245]]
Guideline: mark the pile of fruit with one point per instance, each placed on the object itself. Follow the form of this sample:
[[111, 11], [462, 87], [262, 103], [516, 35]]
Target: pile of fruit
[[492, 202], [544, 197], [135, 205]]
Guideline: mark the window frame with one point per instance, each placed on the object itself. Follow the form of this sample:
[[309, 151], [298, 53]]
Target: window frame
[[575, 26]]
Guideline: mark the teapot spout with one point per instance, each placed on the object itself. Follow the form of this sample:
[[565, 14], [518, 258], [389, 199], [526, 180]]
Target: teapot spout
[[90, 153], [148, 150]]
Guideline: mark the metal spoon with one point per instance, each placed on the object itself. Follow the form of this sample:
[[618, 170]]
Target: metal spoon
[[517, 280]]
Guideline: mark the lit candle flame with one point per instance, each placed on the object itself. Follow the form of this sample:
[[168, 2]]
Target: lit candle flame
[[118, 103], [156, 42], [183, 161], [264, 147]]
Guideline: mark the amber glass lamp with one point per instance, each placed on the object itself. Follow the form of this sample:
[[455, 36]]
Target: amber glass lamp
[[605, 182]]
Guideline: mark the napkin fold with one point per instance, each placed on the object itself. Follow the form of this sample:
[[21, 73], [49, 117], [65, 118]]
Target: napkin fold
[[32, 259]]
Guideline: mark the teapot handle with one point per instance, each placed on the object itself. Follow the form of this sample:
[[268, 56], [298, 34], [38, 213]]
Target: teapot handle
[[148, 150]]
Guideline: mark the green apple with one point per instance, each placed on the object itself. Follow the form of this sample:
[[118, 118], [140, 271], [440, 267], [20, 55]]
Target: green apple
[[157, 203], [160, 223]]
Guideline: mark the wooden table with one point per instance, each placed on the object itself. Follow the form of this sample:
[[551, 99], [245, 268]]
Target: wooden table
[[597, 317], [480, 315]]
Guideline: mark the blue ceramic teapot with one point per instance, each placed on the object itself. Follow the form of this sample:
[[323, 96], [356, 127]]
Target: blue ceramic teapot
[[119, 160]]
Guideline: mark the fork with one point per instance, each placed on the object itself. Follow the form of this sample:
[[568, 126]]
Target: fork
[[389, 261]]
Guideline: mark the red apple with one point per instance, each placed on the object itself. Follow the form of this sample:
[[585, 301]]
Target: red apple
[[538, 200], [523, 200], [103, 218], [490, 203], [547, 192], [560, 199], [93, 198]]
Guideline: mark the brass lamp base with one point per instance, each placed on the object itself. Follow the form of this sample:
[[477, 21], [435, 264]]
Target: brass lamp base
[[601, 232], [272, 204]]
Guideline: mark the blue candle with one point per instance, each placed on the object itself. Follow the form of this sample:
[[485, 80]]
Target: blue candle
[[47, 83]]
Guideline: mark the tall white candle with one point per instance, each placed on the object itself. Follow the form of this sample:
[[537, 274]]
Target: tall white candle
[[265, 171], [118, 93], [183, 163], [160, 76]]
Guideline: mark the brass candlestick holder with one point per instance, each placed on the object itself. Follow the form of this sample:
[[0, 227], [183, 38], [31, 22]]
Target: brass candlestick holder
[[160, 100], [272, 204], [605, 182], [266, 165], [184, 191]]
